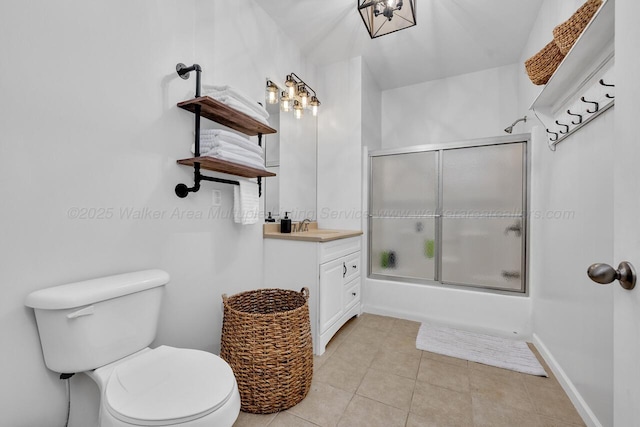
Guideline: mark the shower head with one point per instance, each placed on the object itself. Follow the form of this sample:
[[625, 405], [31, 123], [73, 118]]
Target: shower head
[[509, 129]]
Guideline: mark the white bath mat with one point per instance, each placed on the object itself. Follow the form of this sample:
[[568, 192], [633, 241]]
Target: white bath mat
[[486, 349]]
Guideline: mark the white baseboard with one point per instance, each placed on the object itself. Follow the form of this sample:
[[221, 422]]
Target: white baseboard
[[584, 410]]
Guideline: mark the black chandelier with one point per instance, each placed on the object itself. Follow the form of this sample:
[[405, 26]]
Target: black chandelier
[[387, 16]]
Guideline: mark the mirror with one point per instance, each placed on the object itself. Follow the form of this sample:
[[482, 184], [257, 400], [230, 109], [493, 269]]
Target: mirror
[[291, 155]]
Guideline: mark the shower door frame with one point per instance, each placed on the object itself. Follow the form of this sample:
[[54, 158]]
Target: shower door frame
[[439, 149]]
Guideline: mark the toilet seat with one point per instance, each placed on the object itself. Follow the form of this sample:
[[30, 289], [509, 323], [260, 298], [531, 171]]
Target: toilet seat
[[167, 386]]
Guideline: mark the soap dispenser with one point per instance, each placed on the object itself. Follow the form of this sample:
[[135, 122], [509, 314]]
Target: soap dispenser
[[285, 224], [270, 218]]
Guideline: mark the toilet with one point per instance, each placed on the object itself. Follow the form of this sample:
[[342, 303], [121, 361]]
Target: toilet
[[101, 328]]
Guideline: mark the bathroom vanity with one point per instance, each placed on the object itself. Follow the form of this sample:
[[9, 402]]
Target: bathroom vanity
[[328, 262]]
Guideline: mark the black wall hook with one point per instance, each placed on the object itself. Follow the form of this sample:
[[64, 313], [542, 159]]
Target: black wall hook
[[607, 85], [579, 116], [561, 124], [597, 106], [553, 133]]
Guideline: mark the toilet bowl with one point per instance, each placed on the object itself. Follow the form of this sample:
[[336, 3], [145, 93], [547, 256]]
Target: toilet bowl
[[101, 328], [167, 386]]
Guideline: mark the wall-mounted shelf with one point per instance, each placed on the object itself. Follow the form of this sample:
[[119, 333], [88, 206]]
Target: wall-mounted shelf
[[217, 165], [207, 107], [225, 115], [578, 76]]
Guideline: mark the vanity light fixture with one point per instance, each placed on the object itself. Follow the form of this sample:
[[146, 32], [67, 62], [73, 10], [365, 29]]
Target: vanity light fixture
[[382, 17], [297, 96], [272, 92]]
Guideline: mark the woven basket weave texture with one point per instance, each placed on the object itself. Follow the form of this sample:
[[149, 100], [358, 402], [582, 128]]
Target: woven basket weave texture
[[566, 34], [541, 66], [266, 339]]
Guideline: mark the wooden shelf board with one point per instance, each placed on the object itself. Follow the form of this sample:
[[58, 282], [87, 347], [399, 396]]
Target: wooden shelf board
[[225, 115], [217, 165]]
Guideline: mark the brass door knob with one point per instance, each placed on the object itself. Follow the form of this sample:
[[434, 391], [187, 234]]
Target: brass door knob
[[605, 274]]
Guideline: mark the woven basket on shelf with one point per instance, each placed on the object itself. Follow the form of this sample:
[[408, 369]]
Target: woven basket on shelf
[[566, 34], [266, 338], [541, 66]]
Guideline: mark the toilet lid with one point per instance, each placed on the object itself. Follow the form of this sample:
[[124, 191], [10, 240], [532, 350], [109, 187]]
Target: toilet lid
[[168, 385]]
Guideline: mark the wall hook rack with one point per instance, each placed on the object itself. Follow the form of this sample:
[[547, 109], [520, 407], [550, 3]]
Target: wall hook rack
[[216, 111], [562, 132], [579, 116], [596, 104]]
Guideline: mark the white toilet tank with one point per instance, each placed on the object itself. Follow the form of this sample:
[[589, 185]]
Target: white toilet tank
[[89, 324]]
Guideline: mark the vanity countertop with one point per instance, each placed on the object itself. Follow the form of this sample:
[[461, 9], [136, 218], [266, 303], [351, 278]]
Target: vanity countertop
[[314, 234]]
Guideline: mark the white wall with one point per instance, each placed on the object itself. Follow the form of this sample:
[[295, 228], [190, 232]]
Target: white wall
[[339, 145], [572, 316], [458, 108], [89, 120]]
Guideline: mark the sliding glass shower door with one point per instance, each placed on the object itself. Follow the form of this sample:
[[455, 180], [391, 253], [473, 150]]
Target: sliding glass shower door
[[404, 207], [454, 216]]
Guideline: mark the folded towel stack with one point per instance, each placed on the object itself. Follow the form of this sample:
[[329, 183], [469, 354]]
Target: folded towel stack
[[237, 100], [229, 146]]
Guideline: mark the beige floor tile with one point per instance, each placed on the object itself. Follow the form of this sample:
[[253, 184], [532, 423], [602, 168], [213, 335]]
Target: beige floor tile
[[367, 335], [381, 323], [502, 390], [444, 375], [341, 373], [363, 412], [417, 421], [493, 370], [405, 327], [445, 359], [253, 420], [285, 419], [400, 343], [387, 388], [324, 405], [395, 362], [550, 422], [357, 352], [554, 403], [489, 414], [441, 407]]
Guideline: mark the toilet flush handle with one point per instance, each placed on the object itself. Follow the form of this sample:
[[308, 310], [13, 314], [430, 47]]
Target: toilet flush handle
[[87, 311]]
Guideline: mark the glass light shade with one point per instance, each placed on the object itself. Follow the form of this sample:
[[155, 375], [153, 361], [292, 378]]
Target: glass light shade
[[285, 102], [290, 83], [303, 94], [314, 103], [272, 93], [382, 17], [298, 111]]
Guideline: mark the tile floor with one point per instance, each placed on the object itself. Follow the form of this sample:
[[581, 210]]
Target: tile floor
[[372, 375]]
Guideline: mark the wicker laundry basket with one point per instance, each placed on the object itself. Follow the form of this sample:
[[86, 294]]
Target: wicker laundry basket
[[566, 34], [541, 66], [266, 338]]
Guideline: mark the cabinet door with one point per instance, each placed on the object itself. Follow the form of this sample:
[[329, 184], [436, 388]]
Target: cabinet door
[[331, 291]]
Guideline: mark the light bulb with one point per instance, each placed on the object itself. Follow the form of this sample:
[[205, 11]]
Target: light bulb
[[304, 96], [285, 102], [291, 91], [272, 93], [291, 86], [297, 110], [314, 105]]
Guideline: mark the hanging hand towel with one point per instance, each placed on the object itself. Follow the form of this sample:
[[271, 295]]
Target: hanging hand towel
[[246, 203]]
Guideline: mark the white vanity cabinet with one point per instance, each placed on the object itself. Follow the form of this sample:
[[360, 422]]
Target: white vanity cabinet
[[331, 271]]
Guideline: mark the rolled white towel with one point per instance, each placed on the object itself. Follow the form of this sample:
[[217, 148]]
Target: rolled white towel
[[216, 91], [239, 159], [232, 149], [210, 136], [242, 108]]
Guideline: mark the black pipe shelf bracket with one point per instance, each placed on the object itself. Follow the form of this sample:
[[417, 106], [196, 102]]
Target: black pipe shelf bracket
[[216, 111]]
